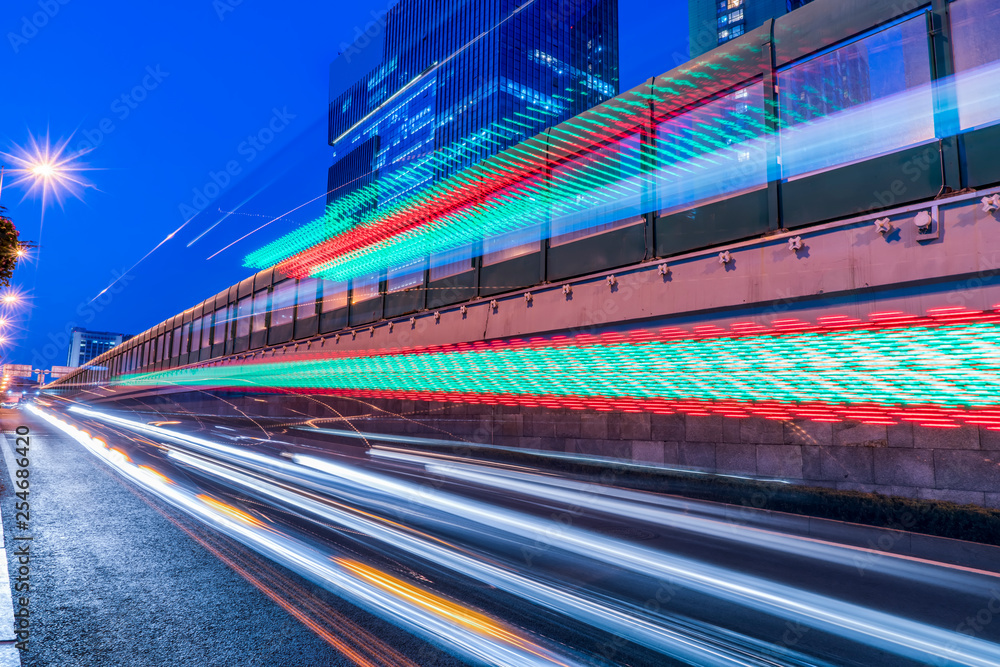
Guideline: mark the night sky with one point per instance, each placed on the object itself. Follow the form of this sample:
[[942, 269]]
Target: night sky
[[168, 96]]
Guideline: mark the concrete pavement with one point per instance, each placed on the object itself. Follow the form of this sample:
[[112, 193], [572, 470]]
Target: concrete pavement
[[117, 581]]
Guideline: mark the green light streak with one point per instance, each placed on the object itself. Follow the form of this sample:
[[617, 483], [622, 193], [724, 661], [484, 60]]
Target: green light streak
[[955, 365]]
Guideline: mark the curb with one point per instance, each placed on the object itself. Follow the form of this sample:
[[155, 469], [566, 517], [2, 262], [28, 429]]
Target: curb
[[877, 539]]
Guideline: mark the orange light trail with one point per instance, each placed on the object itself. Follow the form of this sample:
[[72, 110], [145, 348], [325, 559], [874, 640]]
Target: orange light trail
[[379, 654], [230, 511], [454, 612], [159, 475]]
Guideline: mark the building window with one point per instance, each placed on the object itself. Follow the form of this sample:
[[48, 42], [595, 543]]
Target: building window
[[733, 4], [196, 335], [451, 262], [221, 325], [977, 50], [243, 312], [283, 303], [511, 245], [176, 349], [306, 301], [334, 296], [260, 310], [837, 93], [695, 151], [364, 287], [404, 277]]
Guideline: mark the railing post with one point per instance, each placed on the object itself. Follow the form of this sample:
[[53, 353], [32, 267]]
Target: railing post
[[772, 126], [648, 165], [946, 121]]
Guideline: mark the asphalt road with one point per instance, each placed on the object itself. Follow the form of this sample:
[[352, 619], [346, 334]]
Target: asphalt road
[[157, 540], [119, 578]]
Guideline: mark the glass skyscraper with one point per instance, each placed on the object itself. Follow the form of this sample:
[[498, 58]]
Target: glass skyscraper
[[714, 22], [445, 83]]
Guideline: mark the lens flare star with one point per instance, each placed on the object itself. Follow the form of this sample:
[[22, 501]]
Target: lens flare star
[[48, 169]]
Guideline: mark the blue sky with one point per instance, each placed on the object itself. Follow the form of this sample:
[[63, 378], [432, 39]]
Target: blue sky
[[188, 104]]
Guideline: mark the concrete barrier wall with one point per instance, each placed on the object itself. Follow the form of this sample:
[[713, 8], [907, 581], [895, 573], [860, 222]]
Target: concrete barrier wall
[[843, 268]]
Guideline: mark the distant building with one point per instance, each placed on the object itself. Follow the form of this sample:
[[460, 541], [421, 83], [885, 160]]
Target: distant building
[[462, 79], [85, 345], [714, 22]]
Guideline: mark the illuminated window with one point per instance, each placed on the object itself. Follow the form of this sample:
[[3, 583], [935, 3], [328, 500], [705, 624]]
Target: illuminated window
[[334, 296], [836, 94], [690, 143], [283, 303], [977, 50], [221, 324], [243, 307], [178, 336], [406, 276], [588, 213], [259, 320], [509, 246], [196, 335], [206, 332], [306, 301], [451, 263], [733, 4], [364, 287]]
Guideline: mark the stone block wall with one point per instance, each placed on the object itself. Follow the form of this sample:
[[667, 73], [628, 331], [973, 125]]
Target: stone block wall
[[958, 464]]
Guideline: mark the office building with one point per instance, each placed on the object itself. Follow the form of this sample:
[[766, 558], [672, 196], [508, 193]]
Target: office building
[[714, 22], [441, 85], [85, 345]]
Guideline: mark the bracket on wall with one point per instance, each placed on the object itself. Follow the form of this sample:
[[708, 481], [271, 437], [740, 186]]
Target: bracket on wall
[[928, 224]]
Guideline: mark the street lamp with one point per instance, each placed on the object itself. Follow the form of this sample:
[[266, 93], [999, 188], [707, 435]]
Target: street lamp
[[24, 248], [48, 167], [41, 373], [44, 170]]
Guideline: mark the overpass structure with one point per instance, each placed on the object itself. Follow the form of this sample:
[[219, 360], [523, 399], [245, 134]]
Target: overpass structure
[[777, 260]]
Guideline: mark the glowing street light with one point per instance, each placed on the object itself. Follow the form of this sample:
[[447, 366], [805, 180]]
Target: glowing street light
[[44, 170], [47, 167], [24, 248]]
